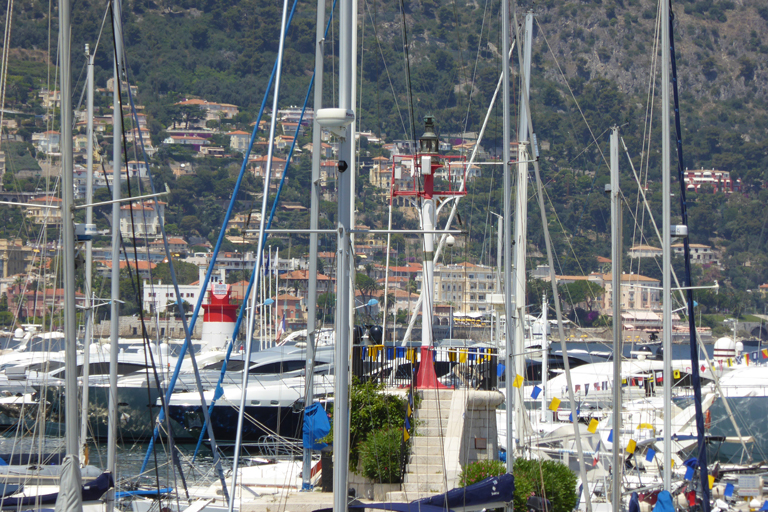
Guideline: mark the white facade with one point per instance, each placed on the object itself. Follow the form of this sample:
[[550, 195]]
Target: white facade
[[146, 218], [158, 296]]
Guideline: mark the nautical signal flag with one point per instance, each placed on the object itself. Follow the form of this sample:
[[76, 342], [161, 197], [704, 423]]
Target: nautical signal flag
[[592, 428], [689, 473], [554, 404], [518, 382], [659, 377], [631, 445], [746, 359], [676, 374], [711, 480], [753, 356], [650, 454], [765, 353], [570, 416], [728, 490], [610, 436], [406, 435], [536, 392]]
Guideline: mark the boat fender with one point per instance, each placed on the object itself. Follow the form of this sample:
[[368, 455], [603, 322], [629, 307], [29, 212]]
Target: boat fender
[[645, 506], [718, 491]]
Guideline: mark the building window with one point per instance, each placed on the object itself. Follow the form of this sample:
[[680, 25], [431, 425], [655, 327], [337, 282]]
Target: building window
[[481, 297]]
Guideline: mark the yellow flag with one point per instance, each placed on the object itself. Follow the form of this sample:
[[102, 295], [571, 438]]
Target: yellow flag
[[554, 404], [711, 480], [463, 355], [676, 374], [631, 446], [410, 355], [406, 435], [409, 410], [518, 382], [452, 356], [592, 426]]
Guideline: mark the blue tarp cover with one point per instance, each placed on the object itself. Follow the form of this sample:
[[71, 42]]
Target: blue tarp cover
[[494, 489], [664, 503], [316, 426], [634, 503]]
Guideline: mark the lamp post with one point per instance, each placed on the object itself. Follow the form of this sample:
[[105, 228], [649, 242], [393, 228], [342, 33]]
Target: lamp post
[[426, 162]]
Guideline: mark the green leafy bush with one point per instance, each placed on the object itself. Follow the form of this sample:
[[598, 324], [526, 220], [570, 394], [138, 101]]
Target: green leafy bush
[[559, 481], [480, 470], [380, 456], [371, 409]]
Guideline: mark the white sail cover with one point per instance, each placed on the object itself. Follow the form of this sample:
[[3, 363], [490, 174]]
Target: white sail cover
[[70, 497]]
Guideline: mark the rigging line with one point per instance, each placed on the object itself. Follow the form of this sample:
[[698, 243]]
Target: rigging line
[[6, 53], [646, 140], [408, 72], [386, 69], [578, 106], [144, 329], [695, 378], [217, 247]]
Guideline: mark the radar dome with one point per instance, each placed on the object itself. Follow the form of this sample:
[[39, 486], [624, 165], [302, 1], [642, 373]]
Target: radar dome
[[18, 333]]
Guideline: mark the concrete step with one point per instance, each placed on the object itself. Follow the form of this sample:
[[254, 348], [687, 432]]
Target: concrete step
[[431, 467], [434, 394], [435, 479], [423, 487], [432, 430], [430, 443], [432, 413], [432, 458], [434, 404]]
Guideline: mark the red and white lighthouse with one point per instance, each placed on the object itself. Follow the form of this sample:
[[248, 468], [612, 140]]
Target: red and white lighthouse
[[219, 317]]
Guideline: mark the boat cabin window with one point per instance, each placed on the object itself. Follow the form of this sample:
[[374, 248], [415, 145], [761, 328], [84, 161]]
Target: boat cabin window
[[232, 366], [48, 366], [279, 367], [9, 343], [38, 344]]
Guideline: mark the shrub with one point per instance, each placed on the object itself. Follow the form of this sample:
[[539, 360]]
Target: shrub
[[480, 470], [380, 456], [559, 481]]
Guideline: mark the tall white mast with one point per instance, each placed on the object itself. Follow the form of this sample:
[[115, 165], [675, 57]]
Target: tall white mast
[[117, 128], [666, 247], [618, 448], [313, 220], [88, 258], [506, 139], [343, 259], [521, 225], [544, 356], [68, 234]]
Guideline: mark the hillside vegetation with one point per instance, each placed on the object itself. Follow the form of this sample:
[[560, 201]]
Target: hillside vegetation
[[593, 63]]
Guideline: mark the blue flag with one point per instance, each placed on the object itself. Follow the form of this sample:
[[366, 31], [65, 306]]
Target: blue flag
[[536, 392], [689, 473], [728, 491], [650, 455], [610, 436], [500, 369]]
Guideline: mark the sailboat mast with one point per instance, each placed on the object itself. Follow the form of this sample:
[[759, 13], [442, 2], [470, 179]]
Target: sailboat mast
[[506, 139], [343, 277], [314, 209], [114, 338], [521, 223], [617, 345], [88, 256], [68, 233], [666, 247], [544, 357]]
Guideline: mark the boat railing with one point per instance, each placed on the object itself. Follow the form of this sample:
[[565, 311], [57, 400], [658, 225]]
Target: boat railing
[[468, 367]]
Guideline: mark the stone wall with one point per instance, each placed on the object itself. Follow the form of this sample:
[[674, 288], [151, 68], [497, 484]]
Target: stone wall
[[130, 327]]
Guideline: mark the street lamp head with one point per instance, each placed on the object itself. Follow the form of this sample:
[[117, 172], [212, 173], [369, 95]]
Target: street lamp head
[[372, 302], [268, 302]]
